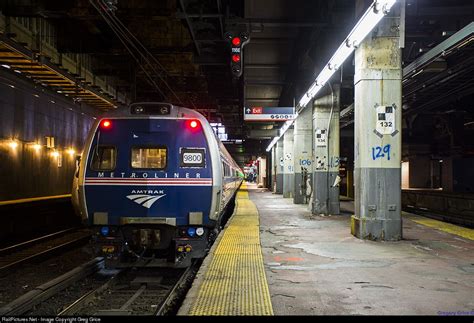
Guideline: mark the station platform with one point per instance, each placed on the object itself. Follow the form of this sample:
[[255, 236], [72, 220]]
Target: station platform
[[275, 257]]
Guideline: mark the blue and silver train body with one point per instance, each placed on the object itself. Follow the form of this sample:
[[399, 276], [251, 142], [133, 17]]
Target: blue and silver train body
[[154, 182]]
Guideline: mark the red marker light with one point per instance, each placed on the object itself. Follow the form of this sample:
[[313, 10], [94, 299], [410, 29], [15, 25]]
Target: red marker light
[[106, 124], [236, 58], [236, 41], [193, 124]]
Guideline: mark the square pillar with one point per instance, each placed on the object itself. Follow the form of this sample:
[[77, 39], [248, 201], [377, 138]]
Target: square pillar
[[288, 167], [326, 134], [378, 137]]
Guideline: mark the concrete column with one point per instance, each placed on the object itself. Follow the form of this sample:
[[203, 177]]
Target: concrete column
[[288, 168], [262, 172], [326, 153], [303, 156], [279, 166], [378, 125], [273, 169]]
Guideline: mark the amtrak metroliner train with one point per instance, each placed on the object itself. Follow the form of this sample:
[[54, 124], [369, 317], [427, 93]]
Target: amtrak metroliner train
[[154, 182]]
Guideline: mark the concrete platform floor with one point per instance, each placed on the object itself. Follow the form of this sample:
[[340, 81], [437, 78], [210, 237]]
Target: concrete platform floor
[[314, 266]]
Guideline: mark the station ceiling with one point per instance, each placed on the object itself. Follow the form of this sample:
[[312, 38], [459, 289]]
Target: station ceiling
[[186, 58]]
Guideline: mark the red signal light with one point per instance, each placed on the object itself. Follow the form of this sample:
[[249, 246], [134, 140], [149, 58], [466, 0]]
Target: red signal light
[[106, 124], [193, 124], [236, 41], [236, 58]]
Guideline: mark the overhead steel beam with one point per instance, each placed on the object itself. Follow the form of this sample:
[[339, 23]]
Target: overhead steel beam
[[199, 15], [262, 99], [263, 134], [190, 27], [461, 38], [265, 66], [265, 82], [276, 22], [221, 23]]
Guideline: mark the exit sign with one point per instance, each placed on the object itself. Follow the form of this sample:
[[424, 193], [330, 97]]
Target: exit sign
[[269, 113]]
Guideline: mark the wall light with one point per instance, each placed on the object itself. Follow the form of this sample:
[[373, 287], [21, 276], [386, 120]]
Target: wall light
[[37, 147], [55, 154], [377, 10], [13, 144], [71, 151]]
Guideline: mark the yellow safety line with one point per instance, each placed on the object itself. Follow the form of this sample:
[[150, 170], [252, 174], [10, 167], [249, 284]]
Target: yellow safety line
[[33, 199], [442, 226], [235, 283]]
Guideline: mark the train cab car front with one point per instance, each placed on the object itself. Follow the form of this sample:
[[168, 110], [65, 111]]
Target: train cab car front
[[147, 185]]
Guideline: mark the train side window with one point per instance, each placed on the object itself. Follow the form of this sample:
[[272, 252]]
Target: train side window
[[149, 157], [104, 158]]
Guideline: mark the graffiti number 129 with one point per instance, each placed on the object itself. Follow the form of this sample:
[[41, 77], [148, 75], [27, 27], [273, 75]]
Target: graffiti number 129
[[381, 152]]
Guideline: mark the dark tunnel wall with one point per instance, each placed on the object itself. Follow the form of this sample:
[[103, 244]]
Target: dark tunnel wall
[[28, 114]]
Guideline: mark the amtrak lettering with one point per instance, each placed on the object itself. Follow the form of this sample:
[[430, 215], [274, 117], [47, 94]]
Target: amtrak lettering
[[147, 175], [147, 192]]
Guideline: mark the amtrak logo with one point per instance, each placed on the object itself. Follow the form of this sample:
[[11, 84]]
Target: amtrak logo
[[145, 200]]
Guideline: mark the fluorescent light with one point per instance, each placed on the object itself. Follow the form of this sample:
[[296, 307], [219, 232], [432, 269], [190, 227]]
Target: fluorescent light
[[304, 101], [272, 143], [377, 10], [6, 66], [342, 53], [283, 129]]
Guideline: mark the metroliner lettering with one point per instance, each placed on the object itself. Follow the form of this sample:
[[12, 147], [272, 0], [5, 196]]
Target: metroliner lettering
[[146, 175]]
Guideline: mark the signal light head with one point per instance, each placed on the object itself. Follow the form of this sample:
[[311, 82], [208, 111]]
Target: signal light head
[[236, 58], [106, 124], [236, 41]]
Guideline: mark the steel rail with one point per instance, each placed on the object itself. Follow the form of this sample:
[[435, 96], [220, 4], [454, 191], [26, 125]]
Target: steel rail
[[176, 291], [8, 267], [28, 243], [43, 292]]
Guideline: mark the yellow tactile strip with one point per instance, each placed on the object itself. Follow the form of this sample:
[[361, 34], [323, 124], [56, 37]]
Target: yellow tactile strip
[[235, 283], [443, 226]]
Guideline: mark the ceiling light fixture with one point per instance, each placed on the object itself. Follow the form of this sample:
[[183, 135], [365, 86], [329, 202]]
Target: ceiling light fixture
[[377, 10]]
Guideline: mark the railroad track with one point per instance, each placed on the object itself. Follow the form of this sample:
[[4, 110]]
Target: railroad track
[[41, 248], [41, 293], [131, 291], [138, 291]]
